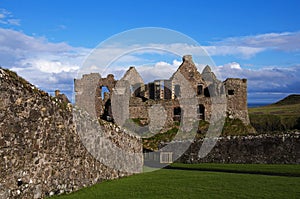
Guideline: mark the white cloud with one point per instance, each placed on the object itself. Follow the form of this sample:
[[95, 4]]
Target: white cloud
[[18, 49], [242, 47], [54, 65], [267, 79], [7, 18], [274, 79], [286, 41], [49, 66], [149, 72], [242, 51], [160, 70], [232, 65]]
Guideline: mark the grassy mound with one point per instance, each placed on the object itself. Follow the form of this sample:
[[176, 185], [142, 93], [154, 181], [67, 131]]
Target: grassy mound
[[289, 100]]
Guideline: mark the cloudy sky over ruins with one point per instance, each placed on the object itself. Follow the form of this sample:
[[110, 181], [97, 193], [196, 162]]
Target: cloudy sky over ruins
[[47, 41]]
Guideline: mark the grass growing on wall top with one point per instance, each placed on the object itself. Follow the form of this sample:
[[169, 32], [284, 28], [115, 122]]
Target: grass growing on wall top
[[236, 127]]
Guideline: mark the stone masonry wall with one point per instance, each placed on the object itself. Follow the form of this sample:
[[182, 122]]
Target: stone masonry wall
[[261, 149], [236, 92], [40, 151], [202, 91]]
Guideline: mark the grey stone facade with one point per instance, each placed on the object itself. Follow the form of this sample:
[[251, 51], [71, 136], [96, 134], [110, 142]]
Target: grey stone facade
[[187, 93]]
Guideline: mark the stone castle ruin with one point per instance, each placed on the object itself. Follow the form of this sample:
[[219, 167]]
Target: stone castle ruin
[[145, 102], [49, 147]]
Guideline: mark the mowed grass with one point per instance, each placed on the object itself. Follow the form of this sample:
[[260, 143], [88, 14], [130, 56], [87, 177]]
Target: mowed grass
[[166, 183]]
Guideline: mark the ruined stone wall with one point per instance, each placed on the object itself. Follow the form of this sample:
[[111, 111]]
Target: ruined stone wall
[[190, 73], [87, 90], [186, 88], [261, 149], [236, 94], [139, 109], [40, 150]]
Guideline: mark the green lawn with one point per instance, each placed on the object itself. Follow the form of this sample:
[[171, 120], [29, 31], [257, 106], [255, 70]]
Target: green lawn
[[166, 183]]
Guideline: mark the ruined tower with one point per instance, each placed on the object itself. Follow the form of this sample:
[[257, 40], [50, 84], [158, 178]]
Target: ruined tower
[[236, 95]]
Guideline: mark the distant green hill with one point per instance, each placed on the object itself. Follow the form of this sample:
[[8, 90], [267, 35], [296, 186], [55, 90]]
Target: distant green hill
[[281, 116], [291, 99]]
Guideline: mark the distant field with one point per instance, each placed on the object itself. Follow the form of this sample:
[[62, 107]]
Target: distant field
[[280, 110], [166, 183], [281, 116]]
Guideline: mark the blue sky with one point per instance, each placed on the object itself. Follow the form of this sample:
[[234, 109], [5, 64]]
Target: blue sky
[[47, 41]]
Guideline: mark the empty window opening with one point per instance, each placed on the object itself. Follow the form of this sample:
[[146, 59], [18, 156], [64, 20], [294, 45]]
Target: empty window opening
[[199, 89], [206, 92], [157, 89], [177, 114], [177, 90], [151, 90], [201, 111], [167, 93], [104, 90], [230, 92], [177, 111], [131, 89], [162, 85]]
